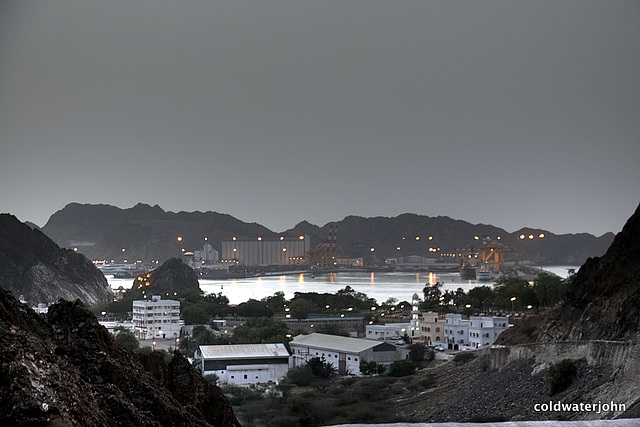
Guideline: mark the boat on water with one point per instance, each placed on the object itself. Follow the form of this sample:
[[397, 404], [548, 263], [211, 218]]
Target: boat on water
[[484, 273], [467, 272]]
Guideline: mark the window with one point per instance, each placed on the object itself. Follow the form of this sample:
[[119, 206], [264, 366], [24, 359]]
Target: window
[[437, 329], [245, 376]]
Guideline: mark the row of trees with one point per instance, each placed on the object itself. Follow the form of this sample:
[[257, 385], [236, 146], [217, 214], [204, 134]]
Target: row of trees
[[509, 293]]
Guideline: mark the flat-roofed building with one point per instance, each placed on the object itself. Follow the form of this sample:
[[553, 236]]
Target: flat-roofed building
[[266, 251], [432, 328], [387, 331], [344, 353], [456, 330], [156, 318], [483, 330], [243, 364]]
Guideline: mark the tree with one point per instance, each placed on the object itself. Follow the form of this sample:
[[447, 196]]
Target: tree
[[300, 308], [481, 297], [126, 338], [509, 287], [254, 308], [432, 296], [417, 352], [321, 368], [371, 367], [275, 302], [549, 289], [561, 375], [401, 368], [261, 330]]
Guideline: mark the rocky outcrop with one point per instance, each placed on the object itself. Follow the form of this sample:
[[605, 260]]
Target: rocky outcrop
[[172, 277], [603, 300], [34, 267], [68, 370]]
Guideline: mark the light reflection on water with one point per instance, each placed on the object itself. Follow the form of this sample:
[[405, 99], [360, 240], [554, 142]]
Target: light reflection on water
[[377, 285]]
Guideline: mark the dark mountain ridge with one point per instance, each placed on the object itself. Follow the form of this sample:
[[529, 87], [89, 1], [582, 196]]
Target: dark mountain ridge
[[33, 266], [150, 233], [603, 300]]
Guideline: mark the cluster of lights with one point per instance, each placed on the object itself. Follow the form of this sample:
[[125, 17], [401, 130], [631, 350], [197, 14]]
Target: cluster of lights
[[530, 236]]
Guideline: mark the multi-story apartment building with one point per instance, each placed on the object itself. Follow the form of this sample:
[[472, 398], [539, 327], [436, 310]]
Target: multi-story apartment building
[[432, 328], [156, 318], [456, 330], [484, 330]]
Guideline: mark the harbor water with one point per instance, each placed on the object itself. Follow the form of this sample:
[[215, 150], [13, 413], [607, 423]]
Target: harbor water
[[378, 285]]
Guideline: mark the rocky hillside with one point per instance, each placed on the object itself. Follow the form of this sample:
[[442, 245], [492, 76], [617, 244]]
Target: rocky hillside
[[603, 301], [149, 233], [68, 370], [145, 232], [172, 276], [33, 266]]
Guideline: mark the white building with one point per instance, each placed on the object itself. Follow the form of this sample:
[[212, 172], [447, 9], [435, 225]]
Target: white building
[[156, 318], [414, 330], [484, 330], [207, 256], [343, 353], [265, 251], [456, 330], [242, 364], [386, 332]]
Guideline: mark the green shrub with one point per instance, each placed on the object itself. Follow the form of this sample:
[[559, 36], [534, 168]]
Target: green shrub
[[561, 375], [400, 368]]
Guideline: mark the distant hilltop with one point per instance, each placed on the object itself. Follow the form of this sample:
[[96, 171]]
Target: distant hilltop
[[33, 267], [148, 233]]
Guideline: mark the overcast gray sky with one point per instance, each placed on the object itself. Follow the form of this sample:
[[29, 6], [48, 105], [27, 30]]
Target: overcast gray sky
[[512, 113]]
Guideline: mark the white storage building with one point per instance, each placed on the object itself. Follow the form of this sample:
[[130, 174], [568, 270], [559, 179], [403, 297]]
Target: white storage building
[[344, 353], [243, 364]]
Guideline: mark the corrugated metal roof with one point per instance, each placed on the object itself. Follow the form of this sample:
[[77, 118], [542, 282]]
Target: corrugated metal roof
[[334, 342], [243, 350]]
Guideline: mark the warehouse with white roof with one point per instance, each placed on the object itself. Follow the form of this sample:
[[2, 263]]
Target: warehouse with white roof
[[344, 353], [244, 364]]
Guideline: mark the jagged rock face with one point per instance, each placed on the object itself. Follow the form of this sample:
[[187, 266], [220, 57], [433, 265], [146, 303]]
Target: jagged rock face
[[172, 276], [603, 301], [68, 370], [33, 266]]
